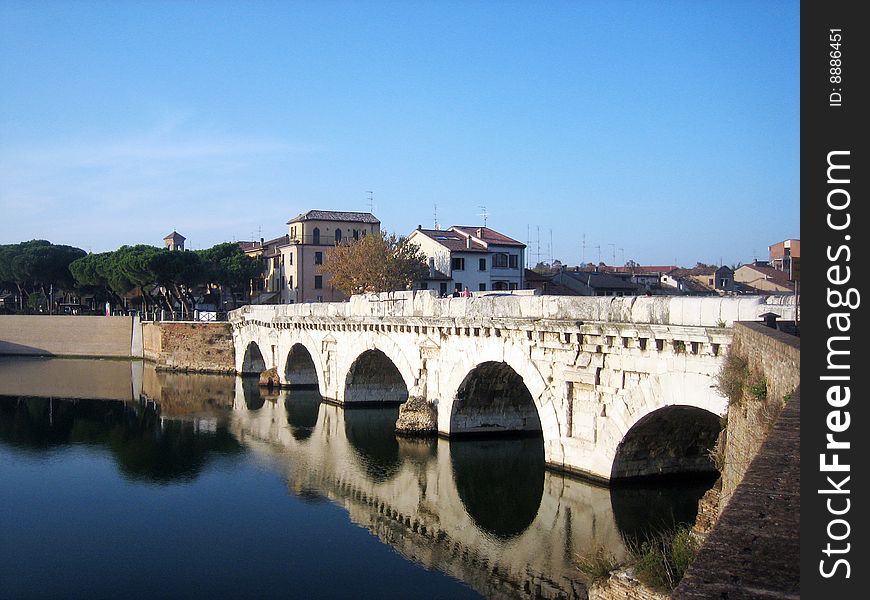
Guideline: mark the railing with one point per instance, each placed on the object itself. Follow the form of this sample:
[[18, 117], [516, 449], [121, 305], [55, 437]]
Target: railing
[[177, 315]]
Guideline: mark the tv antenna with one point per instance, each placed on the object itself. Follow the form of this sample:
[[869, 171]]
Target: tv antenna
[[483, 214], [598, 247], [613, 250], [371, 200], [583, 253], [435, 215]]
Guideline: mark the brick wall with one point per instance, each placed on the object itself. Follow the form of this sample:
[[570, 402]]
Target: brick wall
[[59, 335], [197, 347], [777, 356]]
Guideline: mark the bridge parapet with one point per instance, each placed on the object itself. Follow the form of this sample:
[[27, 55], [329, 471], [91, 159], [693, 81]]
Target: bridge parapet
[[660, 310]]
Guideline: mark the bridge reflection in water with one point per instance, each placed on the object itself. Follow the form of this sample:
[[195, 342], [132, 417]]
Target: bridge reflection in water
[[485, 511]]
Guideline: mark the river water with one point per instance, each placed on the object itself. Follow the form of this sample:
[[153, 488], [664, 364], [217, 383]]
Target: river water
[[117, 480]]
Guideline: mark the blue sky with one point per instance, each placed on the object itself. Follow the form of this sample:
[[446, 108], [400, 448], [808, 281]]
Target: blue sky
[[664, 131]]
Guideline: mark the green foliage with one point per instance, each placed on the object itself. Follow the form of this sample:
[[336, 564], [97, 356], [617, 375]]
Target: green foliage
[[663, 558], [679, 346], [757, 388]]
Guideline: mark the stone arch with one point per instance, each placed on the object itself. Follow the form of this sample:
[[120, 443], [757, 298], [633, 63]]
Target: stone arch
[[374, 378], [300, 369], [493, 398], [672, 440], [463, 362], [652, 393], [253, 362], [381, 342]]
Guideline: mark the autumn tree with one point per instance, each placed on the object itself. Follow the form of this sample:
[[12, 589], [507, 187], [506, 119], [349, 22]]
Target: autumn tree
[[375, 263]]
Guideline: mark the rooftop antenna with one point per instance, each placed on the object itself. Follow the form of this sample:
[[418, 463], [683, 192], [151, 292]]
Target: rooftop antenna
[[371, 200], [436, 217], [598, 247], [583, 254], [613, 250], [622, 255], [528, 245], [551, 246], [483, 214]]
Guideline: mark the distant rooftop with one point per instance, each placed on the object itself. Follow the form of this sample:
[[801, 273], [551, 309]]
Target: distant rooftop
[[175, 237], [335, 215]]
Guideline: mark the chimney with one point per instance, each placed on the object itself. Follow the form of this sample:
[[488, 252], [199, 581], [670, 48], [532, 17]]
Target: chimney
[[261, 242], [419, 227], [431, 267], [480, 233], [468, 242]]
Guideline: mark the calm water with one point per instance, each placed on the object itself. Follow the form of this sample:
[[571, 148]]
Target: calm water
[[120, 481]]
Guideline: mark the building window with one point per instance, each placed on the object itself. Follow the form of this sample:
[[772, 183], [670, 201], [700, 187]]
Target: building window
[[499, 261], [282, 281], [315, 236], [457, 264], [318, 282], [482, 263], [356, 234], [723, 283], [291, 281], [318, 258], [513, 260], [457, 287], [338, 236], [482, 287], [443, 288], [291, 258], [320, 298], [500, 285], [512, 286], [424, 285]]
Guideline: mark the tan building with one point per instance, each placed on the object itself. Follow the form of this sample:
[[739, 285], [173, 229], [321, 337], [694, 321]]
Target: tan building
[[292, 262], [764, 279]]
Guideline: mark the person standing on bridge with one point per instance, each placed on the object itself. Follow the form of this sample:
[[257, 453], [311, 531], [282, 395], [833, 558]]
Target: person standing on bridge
[[466, 293]]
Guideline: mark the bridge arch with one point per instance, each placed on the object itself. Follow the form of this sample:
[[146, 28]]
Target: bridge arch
[[301, 368], [376, 351], [253, 362], [662, 427], [373, 377], [672, 440], [514, 358], [493, 398]]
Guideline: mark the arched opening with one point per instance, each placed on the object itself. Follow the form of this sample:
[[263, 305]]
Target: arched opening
[[300, 372], [315, 236], [253, 394], [493, 399], [338, 236], [500, 482], [374, 379], [253, 362], [303, 408], [670, 441]]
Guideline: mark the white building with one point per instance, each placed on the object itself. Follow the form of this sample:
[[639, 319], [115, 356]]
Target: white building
[[477, 258]]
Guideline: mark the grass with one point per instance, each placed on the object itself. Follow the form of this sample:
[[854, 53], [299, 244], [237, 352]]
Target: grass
[[597, 565], [737, 381], [663, 558]]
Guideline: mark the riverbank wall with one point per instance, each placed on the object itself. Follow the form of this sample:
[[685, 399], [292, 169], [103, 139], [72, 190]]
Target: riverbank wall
[[189, 346], [67, 335]]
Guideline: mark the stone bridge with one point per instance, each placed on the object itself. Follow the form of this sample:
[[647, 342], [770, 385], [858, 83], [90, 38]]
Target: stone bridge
[[617, 387]]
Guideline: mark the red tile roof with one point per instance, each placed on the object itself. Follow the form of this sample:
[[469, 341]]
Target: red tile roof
[[488, 235]]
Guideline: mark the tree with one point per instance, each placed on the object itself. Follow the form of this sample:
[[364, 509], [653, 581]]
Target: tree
[[227, 265], [375, 263], [37, 267]]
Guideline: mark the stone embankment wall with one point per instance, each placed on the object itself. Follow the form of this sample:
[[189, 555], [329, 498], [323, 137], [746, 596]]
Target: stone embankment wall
[[776, 356], [186, 346], [60, 335]]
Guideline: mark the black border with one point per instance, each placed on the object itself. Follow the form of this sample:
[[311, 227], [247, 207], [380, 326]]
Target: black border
[[826, 128]]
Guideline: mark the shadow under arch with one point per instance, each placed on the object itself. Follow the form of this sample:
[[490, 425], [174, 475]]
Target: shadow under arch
[[253, 362], [500, 482], [302, 408], [374, 379], [300, 373], [671, 441], [492, 399], [371, 433]]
